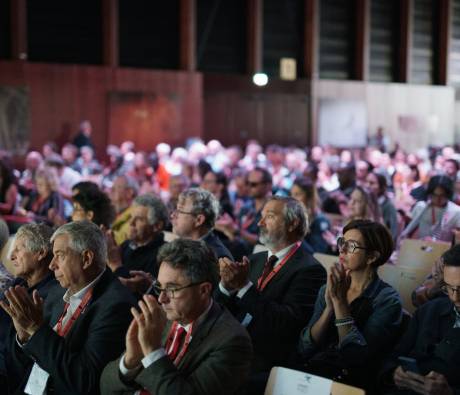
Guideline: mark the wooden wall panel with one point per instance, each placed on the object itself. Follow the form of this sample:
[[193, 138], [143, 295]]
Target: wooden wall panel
[[61, 96]]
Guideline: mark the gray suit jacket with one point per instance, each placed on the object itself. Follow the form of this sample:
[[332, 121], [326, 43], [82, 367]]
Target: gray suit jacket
[[217, 361]]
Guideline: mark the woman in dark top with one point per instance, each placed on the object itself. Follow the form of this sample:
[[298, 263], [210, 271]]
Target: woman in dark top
[[304, 190], [357, 316]]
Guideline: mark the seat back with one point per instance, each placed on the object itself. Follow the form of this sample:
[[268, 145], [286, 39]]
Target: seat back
[[326, 260], [294, 382], [420, 254], [404, 280]]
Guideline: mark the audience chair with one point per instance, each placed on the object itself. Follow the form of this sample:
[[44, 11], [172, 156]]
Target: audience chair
[[326, 260], [420, 254], [301, 383], [404, 280]]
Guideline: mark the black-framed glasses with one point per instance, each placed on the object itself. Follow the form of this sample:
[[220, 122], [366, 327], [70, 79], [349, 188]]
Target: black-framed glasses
[[449, 289], [170, 292], [177, 211], [348, 246]]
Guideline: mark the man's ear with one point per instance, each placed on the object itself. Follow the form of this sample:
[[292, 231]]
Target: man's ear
[[293, 225], [199, 220], [42, 254], [205, 289], [90, 215], [88, 258]]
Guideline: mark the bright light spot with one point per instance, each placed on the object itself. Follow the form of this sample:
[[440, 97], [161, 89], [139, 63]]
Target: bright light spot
[[260, 79]]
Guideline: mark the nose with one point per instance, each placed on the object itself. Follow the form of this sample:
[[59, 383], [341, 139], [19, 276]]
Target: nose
[[162, 298], [52, 265]]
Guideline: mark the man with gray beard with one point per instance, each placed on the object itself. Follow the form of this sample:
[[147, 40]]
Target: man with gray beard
[[273, 292]]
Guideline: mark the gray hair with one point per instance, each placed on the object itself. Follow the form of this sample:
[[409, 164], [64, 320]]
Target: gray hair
[[293, 211], [4, 234], [37, 237], [204, 202], [157, 211], [131, 183], [194, 257], [85, 235]]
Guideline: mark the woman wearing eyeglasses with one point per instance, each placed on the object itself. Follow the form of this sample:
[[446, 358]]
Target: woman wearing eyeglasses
[[357, 317]]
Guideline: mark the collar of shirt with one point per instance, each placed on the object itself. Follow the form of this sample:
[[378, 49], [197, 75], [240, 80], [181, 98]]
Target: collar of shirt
[[281, 254], [206, 235], [135, 246], [75, 299], [156, 240], [381, 199]]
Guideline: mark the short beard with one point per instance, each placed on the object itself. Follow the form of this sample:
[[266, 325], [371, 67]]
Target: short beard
[[273, 240]]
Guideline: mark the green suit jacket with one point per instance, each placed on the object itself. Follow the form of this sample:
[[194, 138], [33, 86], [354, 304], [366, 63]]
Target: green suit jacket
[[217, 361]]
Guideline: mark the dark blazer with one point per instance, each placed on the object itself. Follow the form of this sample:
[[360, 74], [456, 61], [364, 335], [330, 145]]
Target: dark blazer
[[7, 330], [141, 258], [432, 341], [276, 315], [213, 242], [75, 362], [217, 361]]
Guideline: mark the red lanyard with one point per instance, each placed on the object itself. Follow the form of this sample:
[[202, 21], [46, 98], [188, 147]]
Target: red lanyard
[[84, 302], [261, 285], [170, 339]]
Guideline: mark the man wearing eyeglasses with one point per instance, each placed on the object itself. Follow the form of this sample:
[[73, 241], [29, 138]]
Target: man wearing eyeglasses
[[185, 343], [194, 218], [432, 340]]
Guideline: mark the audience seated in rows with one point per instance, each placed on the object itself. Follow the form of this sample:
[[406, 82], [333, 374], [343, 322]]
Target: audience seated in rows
[[356, 184]]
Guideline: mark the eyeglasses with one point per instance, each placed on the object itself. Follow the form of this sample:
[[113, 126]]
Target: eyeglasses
[[177, 211], [449, 289], [253, 184], [170, 292], [348, 246]]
